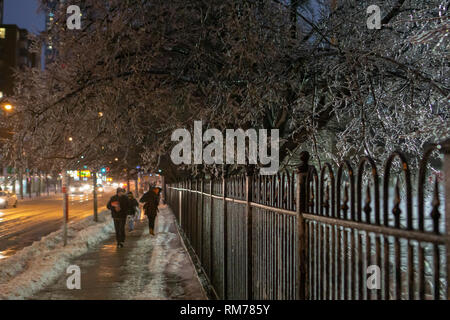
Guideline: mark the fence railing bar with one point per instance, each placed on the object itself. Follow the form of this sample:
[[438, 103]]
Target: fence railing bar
[[269, 208], [401, 233]]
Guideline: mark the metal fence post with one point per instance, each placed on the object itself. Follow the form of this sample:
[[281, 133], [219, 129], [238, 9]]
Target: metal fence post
[[94, 193], [21, 183], [14, 178], [200, 247], [248, 199], [302, 173], [225, 235], [180, 204], [195, 216], [38, 190], [211, 229], [189, 209], [65, 207], [446, 150]]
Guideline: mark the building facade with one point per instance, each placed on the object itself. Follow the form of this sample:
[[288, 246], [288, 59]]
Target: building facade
[[1, 11], [14, 54]]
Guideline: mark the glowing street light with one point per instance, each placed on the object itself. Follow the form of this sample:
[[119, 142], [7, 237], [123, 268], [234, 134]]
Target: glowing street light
[[70, 139], [7, 106]]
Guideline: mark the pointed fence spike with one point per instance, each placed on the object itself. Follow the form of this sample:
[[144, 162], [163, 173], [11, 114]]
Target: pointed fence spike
[[326, 199], [344, 205], [367, 209], [397, 192], [327, 196], [435, 214], [396, 211], [311, 198]]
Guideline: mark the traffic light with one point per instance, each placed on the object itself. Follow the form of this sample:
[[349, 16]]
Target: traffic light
[[103, 170]]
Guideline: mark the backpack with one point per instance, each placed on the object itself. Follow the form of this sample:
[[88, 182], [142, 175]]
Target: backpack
[[152, 202]]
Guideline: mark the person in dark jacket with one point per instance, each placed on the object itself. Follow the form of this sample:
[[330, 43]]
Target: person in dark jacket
[[151, 200], [132, 211], [119, 206]]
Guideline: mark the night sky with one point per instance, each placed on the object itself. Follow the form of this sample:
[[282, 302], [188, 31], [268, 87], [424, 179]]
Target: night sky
[[25, 14]]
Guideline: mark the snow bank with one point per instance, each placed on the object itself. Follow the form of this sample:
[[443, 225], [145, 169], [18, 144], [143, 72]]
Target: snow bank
[[39, 265]]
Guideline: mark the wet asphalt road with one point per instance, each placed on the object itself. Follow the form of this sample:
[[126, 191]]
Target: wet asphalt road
[[38, 217]]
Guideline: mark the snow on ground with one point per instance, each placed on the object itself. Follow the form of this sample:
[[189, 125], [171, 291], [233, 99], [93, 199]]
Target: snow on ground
[[173, 274], [38, 265], [147, 267]]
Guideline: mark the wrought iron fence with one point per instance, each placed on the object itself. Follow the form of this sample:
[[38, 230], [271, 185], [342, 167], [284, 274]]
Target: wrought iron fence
[[342, 241]]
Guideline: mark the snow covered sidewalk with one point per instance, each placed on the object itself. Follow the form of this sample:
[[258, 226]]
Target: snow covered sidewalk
[[145, 268]]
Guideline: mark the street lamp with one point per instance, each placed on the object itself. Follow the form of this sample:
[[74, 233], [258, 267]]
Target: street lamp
[[6, 105]]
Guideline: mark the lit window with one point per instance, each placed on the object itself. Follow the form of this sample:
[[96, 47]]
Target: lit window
[[2, 33]]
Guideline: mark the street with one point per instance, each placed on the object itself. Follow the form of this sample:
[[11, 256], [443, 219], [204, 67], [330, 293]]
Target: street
[[35, 218]]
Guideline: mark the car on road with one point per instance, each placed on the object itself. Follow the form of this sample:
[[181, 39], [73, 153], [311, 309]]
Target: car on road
[[8, 199], [80, 188], [100, 188]]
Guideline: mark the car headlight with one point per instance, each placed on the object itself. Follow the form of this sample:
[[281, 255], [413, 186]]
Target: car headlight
[[72, 189], [2, 200], [100, 189]]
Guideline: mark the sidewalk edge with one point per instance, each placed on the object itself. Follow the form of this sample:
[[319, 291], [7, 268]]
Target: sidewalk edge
[[208, 292]]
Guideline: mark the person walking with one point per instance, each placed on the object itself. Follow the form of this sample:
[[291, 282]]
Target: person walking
[[133, 211], [119, 206], [151, 202]]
